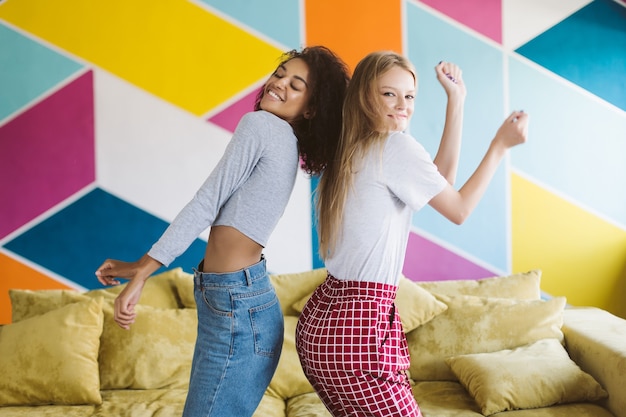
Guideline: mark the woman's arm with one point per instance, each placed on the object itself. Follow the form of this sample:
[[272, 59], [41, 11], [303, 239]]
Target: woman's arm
[[455, 205], [447, 158]]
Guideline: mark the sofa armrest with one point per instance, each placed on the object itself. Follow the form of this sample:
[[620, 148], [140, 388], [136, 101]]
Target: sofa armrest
[[596, 341]]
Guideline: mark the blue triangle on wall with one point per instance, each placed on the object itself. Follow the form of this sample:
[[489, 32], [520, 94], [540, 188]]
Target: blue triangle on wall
[[75, 241]]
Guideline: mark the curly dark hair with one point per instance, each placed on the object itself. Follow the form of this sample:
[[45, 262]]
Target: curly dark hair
[[318, 135]]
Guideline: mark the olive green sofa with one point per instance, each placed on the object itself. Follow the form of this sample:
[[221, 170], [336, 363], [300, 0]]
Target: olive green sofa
[[478, 347]]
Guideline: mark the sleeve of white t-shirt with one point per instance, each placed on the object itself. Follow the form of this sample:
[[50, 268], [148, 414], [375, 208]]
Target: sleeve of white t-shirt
[[409, 171]]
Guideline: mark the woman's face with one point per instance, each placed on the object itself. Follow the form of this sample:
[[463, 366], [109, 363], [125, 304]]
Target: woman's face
[[286, 93], [397, 90]]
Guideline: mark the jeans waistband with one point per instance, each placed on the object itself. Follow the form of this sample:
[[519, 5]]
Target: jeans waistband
[[245, 276]]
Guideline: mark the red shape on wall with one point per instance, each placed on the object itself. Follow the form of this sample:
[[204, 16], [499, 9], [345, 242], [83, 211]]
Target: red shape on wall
[[47, 154], [230, 116], [427, 261], [483, 16]]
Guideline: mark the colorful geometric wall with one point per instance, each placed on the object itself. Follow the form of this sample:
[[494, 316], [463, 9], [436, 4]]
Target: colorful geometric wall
[[113, 113]]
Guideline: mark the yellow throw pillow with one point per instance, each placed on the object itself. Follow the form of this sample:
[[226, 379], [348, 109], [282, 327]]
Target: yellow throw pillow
[[291, 288], [307, 405], [156, 351], [478, 325], [185, 290], [52, 358], [522, 286], [537, 375], [30, 303], [416, 306], [289, 379], [160, 290]]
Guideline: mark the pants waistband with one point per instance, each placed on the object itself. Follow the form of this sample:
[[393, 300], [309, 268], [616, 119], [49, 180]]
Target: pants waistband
[[245, 276], [335, 287]]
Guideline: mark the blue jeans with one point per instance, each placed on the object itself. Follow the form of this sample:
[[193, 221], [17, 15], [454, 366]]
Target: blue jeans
[[240, 336]]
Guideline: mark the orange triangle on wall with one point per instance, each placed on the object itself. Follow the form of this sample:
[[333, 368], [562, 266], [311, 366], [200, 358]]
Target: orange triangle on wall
[[16, 275], [353, 32]]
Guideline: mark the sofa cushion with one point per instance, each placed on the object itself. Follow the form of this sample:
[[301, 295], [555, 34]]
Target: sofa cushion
[[49, 411], [595, 341], [156, 352], [142, 403], [531, 376], [289, 379], [185, 290], [444, 399], [521, 286], [29, 303], [291, 288], [450, 399], [269, 406], [416, 306], [160, 290], [52, 358], [477, 325], [306, 405]]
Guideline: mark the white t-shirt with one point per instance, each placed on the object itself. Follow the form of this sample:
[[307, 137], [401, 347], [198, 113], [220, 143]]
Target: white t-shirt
[[377, 216]]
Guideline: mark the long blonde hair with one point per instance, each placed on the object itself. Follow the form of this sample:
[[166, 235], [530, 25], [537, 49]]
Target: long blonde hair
[[363, 127]]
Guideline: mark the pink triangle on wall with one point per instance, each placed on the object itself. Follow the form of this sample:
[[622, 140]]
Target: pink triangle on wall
[[483, 16], [47, 153], [230, 116], [427, 261]]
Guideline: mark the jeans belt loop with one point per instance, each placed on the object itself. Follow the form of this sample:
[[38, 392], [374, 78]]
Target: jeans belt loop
[[248, 278]]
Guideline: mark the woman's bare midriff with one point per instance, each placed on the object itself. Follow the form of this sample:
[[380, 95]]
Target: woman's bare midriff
[[230, 250]]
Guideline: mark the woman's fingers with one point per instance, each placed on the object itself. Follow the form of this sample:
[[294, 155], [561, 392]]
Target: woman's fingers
[[124, 314], [452, 71]]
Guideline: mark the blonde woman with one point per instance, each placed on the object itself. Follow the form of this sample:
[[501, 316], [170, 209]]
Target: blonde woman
[[349, 336]]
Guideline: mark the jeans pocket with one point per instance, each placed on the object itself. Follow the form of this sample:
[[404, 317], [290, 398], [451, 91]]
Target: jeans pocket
[[218, 300], [267, 327]]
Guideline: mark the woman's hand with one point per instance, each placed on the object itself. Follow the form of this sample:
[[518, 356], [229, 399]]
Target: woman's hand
[[109, 272], [450, 77], [137, 273], [513, 131]]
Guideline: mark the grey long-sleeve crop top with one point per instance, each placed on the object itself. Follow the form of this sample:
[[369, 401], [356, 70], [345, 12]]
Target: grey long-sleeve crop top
[[248, 189]]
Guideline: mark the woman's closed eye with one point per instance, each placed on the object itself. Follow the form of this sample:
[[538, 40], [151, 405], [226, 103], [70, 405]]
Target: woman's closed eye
[[295, 85]]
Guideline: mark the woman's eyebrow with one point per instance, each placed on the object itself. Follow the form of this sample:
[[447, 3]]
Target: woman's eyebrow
[[412, 91]]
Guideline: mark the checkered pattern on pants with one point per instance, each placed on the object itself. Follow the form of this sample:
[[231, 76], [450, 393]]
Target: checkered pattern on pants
[[353, 350]]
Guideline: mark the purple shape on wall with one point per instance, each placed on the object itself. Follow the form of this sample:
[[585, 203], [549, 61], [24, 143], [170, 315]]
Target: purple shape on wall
[[483, 16], [229, 117], [47, 154], [427, 261]]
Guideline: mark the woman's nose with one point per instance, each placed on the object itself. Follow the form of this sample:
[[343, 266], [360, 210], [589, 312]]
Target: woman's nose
[[281, 82]]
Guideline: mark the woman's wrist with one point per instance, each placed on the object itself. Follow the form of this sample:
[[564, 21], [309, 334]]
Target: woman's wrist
[[146, 266]]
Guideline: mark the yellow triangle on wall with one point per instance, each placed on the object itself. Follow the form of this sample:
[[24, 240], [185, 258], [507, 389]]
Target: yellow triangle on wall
[[582, 256], [172, 48]]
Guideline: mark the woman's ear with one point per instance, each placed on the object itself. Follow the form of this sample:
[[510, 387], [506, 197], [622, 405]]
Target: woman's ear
[[308, 114]]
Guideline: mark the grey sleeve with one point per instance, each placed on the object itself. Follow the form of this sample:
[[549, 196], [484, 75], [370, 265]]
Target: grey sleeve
[[235, 166]]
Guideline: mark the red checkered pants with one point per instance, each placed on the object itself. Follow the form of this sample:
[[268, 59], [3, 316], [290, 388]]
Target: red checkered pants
[[353, 350]]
